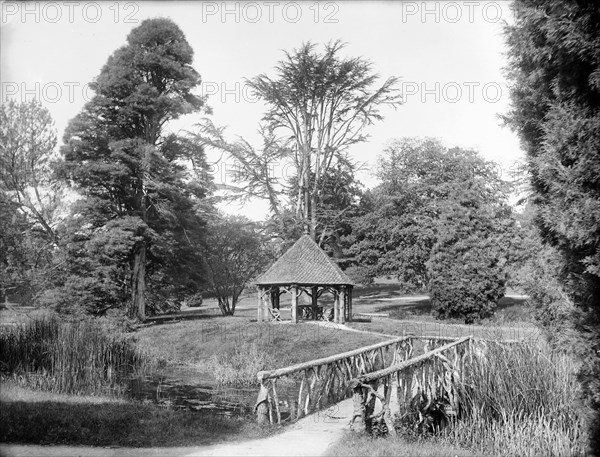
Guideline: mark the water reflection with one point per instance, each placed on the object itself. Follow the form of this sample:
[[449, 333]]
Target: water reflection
[[169, 393]]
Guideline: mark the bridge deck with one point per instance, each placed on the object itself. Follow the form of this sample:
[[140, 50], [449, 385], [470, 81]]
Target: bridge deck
[[310, 436]]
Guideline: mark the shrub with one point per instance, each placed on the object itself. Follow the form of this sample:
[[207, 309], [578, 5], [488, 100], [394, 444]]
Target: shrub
[[467, 263], [79, 358]]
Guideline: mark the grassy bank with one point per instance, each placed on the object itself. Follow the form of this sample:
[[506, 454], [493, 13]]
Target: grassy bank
[[35, 417], [237, 345]]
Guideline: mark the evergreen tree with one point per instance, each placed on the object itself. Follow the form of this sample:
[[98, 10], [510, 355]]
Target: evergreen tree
[[140, 218], [320, 104], [555, 70], [467, 264]]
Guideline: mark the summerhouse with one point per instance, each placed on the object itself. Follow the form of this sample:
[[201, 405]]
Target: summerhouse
[[305, 269]]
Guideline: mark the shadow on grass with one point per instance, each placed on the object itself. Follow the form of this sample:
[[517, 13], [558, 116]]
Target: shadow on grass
[[130, 424], [181, 316], [406, 309], [371, 294], [509, 309]]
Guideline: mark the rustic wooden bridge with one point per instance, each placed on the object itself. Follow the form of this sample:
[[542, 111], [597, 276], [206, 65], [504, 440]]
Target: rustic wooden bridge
[[370, 375]]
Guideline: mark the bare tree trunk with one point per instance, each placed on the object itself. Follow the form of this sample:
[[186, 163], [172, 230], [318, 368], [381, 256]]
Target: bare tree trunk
[[138, 283], [313, 216], [307, 196], [138, 280]]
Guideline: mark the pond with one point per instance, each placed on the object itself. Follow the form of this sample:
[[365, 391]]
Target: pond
[[206, 396], [203, 397]]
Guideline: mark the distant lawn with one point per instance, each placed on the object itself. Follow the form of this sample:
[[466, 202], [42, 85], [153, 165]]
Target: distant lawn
[[34, 417], [395, 327]]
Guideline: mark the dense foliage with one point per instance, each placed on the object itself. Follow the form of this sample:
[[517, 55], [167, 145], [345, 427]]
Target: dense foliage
[[28, 199], [236, 252], [435, 205], [467, 265], [134, 235], [555, 70]]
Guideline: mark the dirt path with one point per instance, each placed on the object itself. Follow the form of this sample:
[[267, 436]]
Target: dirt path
[[310, 436]]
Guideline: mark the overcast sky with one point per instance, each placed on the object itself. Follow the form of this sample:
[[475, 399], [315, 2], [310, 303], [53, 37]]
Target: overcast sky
[[449, 56]]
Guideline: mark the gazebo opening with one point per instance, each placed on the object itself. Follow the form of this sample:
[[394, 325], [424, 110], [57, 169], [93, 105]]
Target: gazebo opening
[[306, 272]]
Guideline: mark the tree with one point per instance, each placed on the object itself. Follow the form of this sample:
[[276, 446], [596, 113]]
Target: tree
[[144, 187], [28, 197], [320, 104], [396, 234], [27, 142], [236, 252], [467, 265], [554, 66]]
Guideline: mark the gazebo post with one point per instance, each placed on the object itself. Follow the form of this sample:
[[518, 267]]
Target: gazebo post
[[315, 304], [259, 304], [268, 305], [294, 291], [336, 306], [349, 288], [275, 298], [342, 301]]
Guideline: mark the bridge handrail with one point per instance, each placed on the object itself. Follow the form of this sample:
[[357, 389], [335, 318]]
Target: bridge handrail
[[369, 377], [277, 373], [269, 374]]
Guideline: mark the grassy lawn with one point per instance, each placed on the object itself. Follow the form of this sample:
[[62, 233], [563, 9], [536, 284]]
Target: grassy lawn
[[193, 343], [35, 417]]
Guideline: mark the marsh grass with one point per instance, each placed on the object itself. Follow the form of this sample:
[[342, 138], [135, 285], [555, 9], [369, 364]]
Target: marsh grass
[[520, 400], [238, 366], [359, 445], [77, 358]]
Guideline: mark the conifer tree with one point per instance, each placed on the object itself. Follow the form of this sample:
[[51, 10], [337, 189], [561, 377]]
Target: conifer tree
[[139, 183]]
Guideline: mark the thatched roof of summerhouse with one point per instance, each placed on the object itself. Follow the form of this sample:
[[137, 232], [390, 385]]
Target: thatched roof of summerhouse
[[305, 263]]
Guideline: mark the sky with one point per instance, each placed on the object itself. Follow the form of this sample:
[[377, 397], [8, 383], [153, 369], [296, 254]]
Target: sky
[[448, 55]]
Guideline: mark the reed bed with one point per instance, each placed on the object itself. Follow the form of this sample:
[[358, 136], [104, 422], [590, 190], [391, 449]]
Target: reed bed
[[75, 358], [520, 400], [238, 367]]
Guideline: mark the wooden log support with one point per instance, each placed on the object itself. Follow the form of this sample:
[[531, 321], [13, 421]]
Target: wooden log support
[[262, 405], [357, 422], [276, 401]]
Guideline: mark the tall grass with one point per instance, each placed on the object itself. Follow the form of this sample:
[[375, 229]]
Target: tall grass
[[520, 400], [77, 358], [239, 366]]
